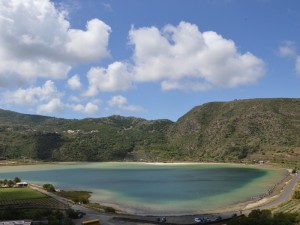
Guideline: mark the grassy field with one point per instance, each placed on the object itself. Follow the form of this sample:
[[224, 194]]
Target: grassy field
[[19, 194], [76, 196]]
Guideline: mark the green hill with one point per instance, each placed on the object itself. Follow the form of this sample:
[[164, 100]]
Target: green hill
[[255, 129], [258, 129]]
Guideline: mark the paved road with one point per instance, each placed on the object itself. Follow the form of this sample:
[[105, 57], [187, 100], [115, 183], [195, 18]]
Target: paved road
[[90, 214], [52, 195], [285, 195]]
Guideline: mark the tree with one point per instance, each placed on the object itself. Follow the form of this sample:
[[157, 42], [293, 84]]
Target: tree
[[17, 180], [10, 183]]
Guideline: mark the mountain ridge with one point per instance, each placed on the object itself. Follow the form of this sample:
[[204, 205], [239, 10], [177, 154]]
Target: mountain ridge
[[250, 129]]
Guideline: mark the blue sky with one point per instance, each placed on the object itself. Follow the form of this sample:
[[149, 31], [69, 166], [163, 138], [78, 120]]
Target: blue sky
[[153, 59]]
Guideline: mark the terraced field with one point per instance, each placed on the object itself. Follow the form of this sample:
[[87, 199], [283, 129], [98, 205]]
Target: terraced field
[[27, 198], [290, 207]]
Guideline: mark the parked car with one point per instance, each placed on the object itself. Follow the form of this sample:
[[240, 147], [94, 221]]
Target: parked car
[[202, 220], [198, 220], [162, 219]]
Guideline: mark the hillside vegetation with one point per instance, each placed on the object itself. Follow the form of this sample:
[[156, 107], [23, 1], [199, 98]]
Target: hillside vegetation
[[256, 129]]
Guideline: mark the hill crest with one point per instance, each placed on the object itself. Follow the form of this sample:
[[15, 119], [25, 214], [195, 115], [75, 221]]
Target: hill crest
[[251, 129]]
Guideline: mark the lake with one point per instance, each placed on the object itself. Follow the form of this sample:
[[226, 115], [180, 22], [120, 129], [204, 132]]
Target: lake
[[160, 189]]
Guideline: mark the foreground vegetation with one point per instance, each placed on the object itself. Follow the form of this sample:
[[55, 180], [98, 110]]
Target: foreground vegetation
[[242, 130], [20, 203], [53, 217], [265, 217], [286, 214]]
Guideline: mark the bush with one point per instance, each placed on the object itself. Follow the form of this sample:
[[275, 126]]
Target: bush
[[49, 187], [296, 195]]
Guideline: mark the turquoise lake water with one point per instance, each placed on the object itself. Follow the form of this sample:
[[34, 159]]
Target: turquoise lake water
[[160, 189]]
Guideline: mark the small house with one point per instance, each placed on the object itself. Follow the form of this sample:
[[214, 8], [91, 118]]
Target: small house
[[22, 184]]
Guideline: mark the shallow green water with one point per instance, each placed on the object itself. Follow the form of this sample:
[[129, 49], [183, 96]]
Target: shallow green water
[[155, 189]]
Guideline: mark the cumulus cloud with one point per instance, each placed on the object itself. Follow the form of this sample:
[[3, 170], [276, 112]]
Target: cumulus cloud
[[46, 99], [182, 52], [95, 40], [117, 100], [121, 102], [89, 108], [36, 41], [288, 48], [53, 106], [74, 82], [116, 77], [32, 95]]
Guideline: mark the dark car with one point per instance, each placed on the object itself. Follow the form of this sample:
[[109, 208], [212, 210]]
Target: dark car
[[162, 220]]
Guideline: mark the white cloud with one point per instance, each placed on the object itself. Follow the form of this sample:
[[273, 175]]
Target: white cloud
[[180, 53], [53, 106], [298, 65], [74, 82], [91, 44], [117, 100], [288, 48], [121, 102], [115, 78], [182, 85], [32, 95], [89, 108], [36, 41], [75, 99]]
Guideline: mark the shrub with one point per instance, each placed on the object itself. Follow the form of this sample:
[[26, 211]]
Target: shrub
[[297, 195], [49, 187]]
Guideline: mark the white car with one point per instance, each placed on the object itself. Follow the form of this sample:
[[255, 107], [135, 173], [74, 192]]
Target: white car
[[198, 220]]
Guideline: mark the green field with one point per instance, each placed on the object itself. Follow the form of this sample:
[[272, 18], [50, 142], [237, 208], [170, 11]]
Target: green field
[[7, 194]]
